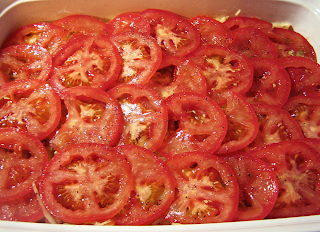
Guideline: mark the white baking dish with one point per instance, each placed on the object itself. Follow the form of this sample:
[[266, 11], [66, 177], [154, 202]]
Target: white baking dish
[[304, 15]]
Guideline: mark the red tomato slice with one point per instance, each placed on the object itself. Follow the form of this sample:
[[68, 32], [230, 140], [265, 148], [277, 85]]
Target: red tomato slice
[[130, 22], [304, 73], [242, 122], [271, 83], [224, 69], [85, 61], [153, 187], [236, 22], [145, 115], [297, 167], [141, 57], [275, 125], [211, 31], [196, 123], [93, 117], [86, 183], [175, 34], [176, 75], [291, 43], [252, 42], [44, 34], [258, 186], [306, 112], [25, 62], [207, 189], [24, 209], [83, 24], [22, 158], [30, 104]]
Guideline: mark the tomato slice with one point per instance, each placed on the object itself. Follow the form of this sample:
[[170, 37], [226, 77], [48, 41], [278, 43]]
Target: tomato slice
[[253, 42], [212, 32], [271, 83], [141, 57], [22, 159], [305, 109], [25, 62], [153, 187], [291, 43], [43, 34], [145, 115], [130, 22], [224, 69], [236, 22], [207, 189], [175, 34], [86, 183], [297, 167], [83, 24], [175, 75], [24, 209], [196, 123], [242, 122], [85, 61], [93, 117], [304, 73], [30, 104], [258, 186]]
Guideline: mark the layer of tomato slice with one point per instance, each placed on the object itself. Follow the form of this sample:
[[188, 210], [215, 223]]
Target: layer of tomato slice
[[196, 123], [271, 83], [85, 61], [206, 189], [25, 62], [145, 115], [153, 187], [141, 56], [175, 34], [31, 105], [22, 159], [258, 186], [86, 183], [297, 167], [223, 68], [176, 75], [93, 117]]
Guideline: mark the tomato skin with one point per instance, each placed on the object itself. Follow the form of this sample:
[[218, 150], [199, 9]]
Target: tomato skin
[[85, 183], [85, 61], [271, 83], [291, 43], [224, 69], [305, 110], [175, 75], [83, 24], [43, 34], [153, 187], [30, 104], [141, 57], [196, 123], [211, 31], [25, 62], [252, 42], [258, 186], [22, 159], [207, 190], [242, 122], [93, 117], [297, 168], [236, 22], [128, 22], [175, 34], [145, 115]]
